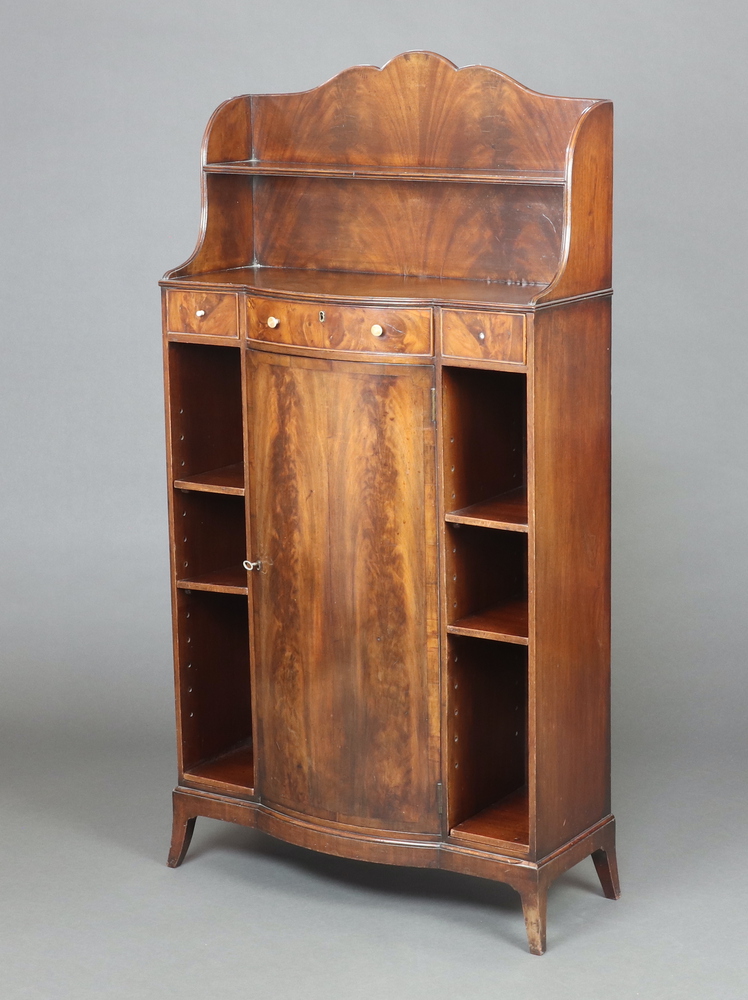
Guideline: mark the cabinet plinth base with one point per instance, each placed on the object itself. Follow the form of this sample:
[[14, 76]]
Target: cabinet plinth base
[[531, 879]]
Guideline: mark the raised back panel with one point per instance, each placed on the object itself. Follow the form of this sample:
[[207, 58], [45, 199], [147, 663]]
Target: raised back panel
[[478, 231], [418, 110]]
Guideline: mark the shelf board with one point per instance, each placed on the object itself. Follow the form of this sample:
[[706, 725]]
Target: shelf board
[[234, 770], [228, 479], [365, 171], [229, 580], [507, 622], [507, 511], [504, 824]]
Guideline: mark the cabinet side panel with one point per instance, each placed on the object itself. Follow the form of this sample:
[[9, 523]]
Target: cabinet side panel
[[588, 213], [570, 572], [342, 516]]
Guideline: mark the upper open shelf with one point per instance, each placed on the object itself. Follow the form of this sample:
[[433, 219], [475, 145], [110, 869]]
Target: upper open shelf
[[461, 175], [479, 189]]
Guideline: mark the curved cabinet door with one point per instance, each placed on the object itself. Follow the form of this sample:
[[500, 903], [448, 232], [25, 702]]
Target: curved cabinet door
[[342, 517]]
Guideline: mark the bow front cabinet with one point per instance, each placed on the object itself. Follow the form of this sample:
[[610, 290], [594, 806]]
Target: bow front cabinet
[[388, 401]]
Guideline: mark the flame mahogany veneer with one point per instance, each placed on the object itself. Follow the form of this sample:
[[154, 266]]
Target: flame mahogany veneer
[[388, 409]]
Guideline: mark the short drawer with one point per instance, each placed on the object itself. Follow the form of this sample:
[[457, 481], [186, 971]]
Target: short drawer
[[210, 314], [481, 335], [340, 328]]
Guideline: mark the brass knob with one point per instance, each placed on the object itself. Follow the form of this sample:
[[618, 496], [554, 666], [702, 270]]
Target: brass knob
[[377, 330], [199, 312], [273, 321]]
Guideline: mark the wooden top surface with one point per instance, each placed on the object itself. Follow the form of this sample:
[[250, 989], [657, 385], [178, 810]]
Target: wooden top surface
[[351, 285]]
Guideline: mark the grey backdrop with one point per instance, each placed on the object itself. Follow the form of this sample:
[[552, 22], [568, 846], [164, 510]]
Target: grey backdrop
[[104, 107]]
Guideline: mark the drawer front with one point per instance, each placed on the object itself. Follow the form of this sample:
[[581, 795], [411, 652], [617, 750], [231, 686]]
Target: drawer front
[[210, 314], [485, 336], [340, 328]]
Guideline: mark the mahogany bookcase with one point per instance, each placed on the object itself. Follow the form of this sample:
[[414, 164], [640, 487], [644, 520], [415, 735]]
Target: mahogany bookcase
[[388, 407]]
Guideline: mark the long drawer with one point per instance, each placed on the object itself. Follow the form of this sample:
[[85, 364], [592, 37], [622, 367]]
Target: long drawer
[[359, 329]]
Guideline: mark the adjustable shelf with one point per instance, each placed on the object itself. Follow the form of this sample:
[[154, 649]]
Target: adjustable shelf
[[506, 622], [364, 171], [507, 511], [228, 479], [227, 580]]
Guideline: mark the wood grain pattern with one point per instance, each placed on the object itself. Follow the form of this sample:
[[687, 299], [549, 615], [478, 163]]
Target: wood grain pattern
[[345, 616], [443, 230], [418, 110], [219, 313], [340, 328], [493, 336], [570, 572]]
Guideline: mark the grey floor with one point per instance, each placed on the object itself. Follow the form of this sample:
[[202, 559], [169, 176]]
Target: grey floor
[[91, 911]]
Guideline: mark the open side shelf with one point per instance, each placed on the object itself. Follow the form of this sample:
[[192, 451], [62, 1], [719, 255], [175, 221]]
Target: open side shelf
[[507, 510], [228, 479], [487, 745], [232, 770], [505, 824], [214, 685], [506, 622], [367, 171]]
